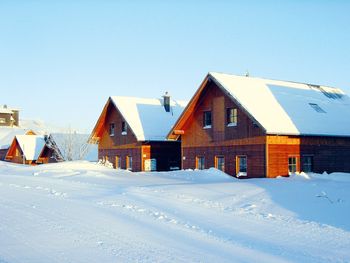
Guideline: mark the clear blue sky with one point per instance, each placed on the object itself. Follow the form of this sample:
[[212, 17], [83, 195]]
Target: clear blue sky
[[61, 60]]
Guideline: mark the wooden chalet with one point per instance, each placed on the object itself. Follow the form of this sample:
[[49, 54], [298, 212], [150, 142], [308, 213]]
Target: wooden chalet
[[33, 149], [251, 127], [131, 133]]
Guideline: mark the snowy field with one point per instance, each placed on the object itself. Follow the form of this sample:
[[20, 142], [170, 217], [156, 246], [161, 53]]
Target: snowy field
[[82, 212]]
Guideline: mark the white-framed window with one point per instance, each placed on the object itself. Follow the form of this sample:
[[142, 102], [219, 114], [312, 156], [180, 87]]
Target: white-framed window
[[111, 129], [220, 163], [292, 164], [124, 128], [129, 163], [231, 117], [200, 162], [241, 165], [207, 119]]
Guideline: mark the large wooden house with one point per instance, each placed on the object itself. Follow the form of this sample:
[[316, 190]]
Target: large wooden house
[[131, 133], [33, 149], [252, 127]]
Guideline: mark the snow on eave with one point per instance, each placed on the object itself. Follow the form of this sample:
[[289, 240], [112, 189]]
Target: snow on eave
[[286, 106]]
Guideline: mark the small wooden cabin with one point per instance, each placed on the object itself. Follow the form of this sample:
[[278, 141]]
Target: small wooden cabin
[[251, 127], [33, 149], [131, 133]]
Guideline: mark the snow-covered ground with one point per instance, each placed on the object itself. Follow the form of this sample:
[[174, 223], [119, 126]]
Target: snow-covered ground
[[82, 212]]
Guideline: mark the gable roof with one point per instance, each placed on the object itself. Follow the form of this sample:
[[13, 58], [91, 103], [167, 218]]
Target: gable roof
[[8, 133], [31, 145], [147, 118], [283, 107]]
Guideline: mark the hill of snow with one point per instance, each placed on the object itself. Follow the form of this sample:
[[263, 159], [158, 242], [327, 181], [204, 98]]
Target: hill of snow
[[82, 212]]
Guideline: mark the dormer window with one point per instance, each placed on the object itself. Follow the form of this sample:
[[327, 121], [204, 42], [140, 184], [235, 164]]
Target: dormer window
[[317, 108], [231, 117], [207, 119], [111, 129], [124, 128]]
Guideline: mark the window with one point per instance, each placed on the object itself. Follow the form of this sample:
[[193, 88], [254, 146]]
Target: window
[[317, 108], [231, 117], [307, 162], [207, 119], [292, 164], [220, 163], [200, 162], [129, 163], [111, 129], [2, 120], [241, 167], [117, 162], [124, 128]]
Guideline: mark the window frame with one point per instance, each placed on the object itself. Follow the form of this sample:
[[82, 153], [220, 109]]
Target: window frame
[[124, 128], [200, 162], [217, 163], [112, 129], [206, 125], [239, 171], [231, 117], [309, 164], [292, 164], [128, 162], [117, 162]]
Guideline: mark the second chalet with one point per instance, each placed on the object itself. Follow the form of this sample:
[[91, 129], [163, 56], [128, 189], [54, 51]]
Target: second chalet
[[131, 133], [253, 127]]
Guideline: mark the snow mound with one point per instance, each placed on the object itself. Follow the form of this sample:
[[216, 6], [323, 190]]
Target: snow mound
[[198, 176]]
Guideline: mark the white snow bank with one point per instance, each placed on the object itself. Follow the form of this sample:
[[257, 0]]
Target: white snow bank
[[84, 212]]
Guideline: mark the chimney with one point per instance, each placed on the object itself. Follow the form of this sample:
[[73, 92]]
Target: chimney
[[166, 101]]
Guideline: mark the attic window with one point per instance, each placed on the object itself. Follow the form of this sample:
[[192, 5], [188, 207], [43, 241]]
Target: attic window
[[207, 119], [231, 117], [111, 129], [124, 128], [317, 108]]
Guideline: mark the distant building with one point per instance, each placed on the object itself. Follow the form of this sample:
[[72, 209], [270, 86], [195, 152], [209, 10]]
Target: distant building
[[254, 127], [131, 133], [33, 149], [9, 116]]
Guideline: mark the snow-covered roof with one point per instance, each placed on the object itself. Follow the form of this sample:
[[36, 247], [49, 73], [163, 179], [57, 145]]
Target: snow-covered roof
[[290, 108], [31, 145], [5, 109], [147, 118], [7, 134]]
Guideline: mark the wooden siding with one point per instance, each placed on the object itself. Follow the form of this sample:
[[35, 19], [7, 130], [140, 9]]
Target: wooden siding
[[118, 140], [330, 154], [214, 100], [167, 154], [255, 158], [221, 140], [134, 152]]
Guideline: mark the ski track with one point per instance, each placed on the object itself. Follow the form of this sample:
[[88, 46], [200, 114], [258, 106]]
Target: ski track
[[81, 215]]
